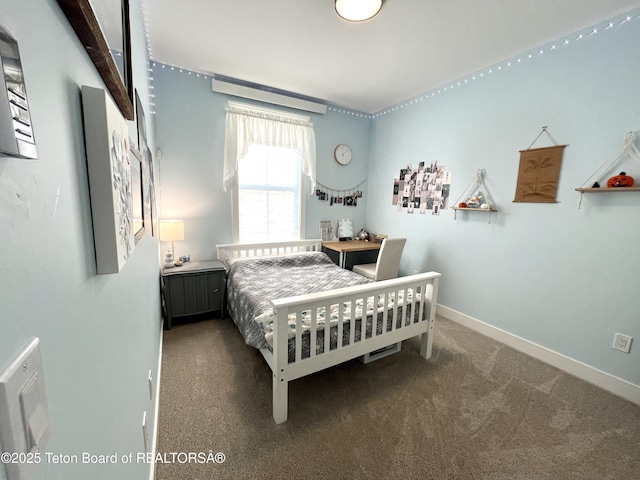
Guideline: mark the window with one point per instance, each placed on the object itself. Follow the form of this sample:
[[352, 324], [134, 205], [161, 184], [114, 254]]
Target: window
[[269, 195], [267, 155]]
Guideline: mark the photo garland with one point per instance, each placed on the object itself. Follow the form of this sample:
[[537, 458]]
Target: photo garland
[[422, 189], [347, 197]]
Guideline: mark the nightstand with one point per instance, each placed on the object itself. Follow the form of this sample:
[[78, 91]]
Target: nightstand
[[195, 287]]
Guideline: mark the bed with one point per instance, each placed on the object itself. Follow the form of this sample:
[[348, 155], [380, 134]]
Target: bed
[[305, 314]]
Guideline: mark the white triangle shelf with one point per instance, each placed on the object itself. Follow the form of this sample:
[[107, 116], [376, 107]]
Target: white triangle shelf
[[592, 185], [475, 198]]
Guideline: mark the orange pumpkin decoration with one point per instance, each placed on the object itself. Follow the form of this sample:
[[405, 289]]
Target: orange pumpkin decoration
[[462, 205], [622, 180]]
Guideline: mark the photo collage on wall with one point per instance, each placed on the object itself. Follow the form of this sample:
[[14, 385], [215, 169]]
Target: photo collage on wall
[[422, 189]]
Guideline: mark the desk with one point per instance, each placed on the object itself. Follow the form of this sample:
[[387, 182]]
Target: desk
[[350, 246]]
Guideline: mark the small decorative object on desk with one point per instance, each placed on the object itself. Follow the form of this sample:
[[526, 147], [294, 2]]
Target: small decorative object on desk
[[325, 230], [168, 260], [363, 235], [185, 258], [345, 229], [379, 237]]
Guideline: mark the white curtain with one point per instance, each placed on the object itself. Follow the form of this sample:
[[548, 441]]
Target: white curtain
[[247, 124]]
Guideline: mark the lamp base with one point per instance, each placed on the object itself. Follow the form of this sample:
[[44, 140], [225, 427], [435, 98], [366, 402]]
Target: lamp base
[[168, 260]]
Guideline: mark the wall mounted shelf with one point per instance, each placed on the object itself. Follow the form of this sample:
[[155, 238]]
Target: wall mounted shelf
[[606, 189], [487, 210], [630, 152], [476, 209], [475, 193]]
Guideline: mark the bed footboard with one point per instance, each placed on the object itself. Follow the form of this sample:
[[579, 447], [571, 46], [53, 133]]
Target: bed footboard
[[396, 309]]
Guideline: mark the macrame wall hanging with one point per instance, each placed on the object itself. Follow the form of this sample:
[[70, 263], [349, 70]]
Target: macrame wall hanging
[[347, 197], [539, 172]]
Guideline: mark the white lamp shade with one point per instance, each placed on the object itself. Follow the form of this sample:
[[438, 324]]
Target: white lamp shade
[[358, 10], [171, 230]]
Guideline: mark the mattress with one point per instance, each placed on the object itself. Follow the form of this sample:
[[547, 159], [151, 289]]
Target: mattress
[[253, 282]]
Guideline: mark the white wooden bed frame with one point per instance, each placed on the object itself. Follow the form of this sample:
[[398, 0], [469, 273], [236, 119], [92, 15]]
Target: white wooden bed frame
[[284, 372]]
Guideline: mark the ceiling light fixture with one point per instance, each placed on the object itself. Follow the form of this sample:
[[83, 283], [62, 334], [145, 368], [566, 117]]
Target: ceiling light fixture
[[358, 10]]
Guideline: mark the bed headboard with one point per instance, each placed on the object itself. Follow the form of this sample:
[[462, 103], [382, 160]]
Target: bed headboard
[[243, 250]]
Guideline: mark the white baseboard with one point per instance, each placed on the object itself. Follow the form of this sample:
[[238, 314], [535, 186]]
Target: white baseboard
[[601, 379], [154, 440]]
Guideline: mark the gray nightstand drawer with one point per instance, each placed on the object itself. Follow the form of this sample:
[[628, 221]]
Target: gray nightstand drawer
[[194, 293]]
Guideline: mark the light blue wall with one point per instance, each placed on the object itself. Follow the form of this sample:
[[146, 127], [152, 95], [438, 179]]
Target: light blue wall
[[100, 335], [562, 277], [190, 130]]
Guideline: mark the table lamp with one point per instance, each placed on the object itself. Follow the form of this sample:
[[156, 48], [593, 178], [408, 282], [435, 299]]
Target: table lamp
[[171, 231]]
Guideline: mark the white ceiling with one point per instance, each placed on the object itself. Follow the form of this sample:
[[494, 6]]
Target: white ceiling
[[409, 48]]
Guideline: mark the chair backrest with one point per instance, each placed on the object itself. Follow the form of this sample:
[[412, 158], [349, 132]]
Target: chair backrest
[[389, 258]]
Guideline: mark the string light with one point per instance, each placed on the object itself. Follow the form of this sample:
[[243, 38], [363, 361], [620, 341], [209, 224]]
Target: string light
[[344, 111], [150, 79], [425, 96], [552, 47]]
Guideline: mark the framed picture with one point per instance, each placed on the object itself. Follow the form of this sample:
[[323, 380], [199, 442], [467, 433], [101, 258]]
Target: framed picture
[[141, 125], [113, 182], [149, 198], [101, 31], [139, 210], [150, 194]]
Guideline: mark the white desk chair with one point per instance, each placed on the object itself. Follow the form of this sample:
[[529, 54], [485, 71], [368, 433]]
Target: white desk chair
[[388, 260]]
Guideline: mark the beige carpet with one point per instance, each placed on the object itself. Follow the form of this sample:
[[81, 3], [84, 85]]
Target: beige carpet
[[475, 410]]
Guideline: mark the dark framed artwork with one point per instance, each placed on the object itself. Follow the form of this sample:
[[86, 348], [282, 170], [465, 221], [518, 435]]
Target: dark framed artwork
[[89, 28]]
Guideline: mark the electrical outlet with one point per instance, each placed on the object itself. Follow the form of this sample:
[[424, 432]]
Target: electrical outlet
[[622, 342]]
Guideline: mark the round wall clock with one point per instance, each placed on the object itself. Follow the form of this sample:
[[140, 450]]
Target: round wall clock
[[342, 154]]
